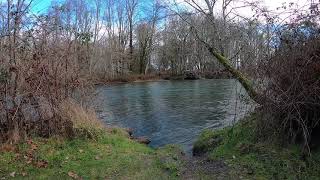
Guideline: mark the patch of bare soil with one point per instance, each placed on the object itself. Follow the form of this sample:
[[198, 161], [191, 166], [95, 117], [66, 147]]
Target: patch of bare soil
[[200, 167]]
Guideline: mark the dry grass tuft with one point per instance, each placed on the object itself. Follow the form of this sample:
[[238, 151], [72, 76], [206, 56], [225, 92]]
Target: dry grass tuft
[[84, 120]]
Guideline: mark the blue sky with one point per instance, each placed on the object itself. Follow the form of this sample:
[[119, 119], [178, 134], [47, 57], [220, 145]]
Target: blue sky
[[40, 6]]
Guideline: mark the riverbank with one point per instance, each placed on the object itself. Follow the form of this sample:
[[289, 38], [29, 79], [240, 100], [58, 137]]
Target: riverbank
[[251, 158], [95, 151], [128, 79], [162, 77], [111, 155]]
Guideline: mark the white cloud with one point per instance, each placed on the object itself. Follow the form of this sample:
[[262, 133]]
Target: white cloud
[[242, 8]]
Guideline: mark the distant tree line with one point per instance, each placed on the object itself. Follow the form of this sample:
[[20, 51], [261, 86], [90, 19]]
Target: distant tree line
[[112, 38]]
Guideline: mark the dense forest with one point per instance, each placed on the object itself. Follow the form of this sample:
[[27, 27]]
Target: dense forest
[[52, 56]]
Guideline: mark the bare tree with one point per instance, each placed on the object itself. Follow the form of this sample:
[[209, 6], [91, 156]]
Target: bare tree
[[131, 6], [212, 47]]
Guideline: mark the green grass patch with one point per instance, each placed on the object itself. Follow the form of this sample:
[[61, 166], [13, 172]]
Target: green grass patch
[[110, 155], [255, 159]]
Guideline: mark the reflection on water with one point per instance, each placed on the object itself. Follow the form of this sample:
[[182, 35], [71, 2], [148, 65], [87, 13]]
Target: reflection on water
[[171, 112]]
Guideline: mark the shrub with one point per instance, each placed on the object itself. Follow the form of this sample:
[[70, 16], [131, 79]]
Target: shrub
[[84, 121], [293, 90]]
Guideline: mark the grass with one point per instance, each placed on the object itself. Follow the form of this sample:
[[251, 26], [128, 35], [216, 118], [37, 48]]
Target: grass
[[111, 155], [254, 159], [96, 152]]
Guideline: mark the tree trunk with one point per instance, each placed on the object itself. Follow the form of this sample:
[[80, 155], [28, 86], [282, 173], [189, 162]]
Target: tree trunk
[[237, 74]]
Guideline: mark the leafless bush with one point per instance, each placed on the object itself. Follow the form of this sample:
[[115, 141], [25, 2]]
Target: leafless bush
[[293, 91], [32, 90], [39, 69]]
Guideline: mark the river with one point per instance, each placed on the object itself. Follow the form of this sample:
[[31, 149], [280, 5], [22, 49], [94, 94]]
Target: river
[[172, 112]]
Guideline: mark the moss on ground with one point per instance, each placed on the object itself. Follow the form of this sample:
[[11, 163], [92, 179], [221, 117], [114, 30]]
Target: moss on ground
[[253, 159], [110, 155]]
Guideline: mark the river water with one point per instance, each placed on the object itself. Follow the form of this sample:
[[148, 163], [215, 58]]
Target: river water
[[172, 112]]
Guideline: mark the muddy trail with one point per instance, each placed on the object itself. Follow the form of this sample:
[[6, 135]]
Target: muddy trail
[[200, 167]]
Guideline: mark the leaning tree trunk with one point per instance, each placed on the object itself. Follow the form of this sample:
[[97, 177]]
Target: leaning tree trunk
[[244, 81], [237, 74]]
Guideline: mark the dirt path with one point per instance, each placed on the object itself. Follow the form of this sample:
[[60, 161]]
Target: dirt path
[[202, 168]]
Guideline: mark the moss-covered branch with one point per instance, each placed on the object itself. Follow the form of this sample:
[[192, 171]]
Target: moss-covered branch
[[237, 74], [226, 64]]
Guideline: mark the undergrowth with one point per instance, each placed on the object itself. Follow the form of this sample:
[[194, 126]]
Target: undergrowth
[[94, 152], [112, 155], [240, 148]]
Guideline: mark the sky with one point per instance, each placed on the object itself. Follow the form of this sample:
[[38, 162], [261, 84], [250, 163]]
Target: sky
[[271, 5], [40, 6], [43, 5]]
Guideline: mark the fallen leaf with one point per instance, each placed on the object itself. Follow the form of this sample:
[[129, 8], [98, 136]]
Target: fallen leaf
[[30, 154], [17, 155], [73, 175], [29, 161], [29, 141], [80, 150], [7, 148], [97, 157], [13, 174], [42, 164], [34, 147], [23, 174]]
